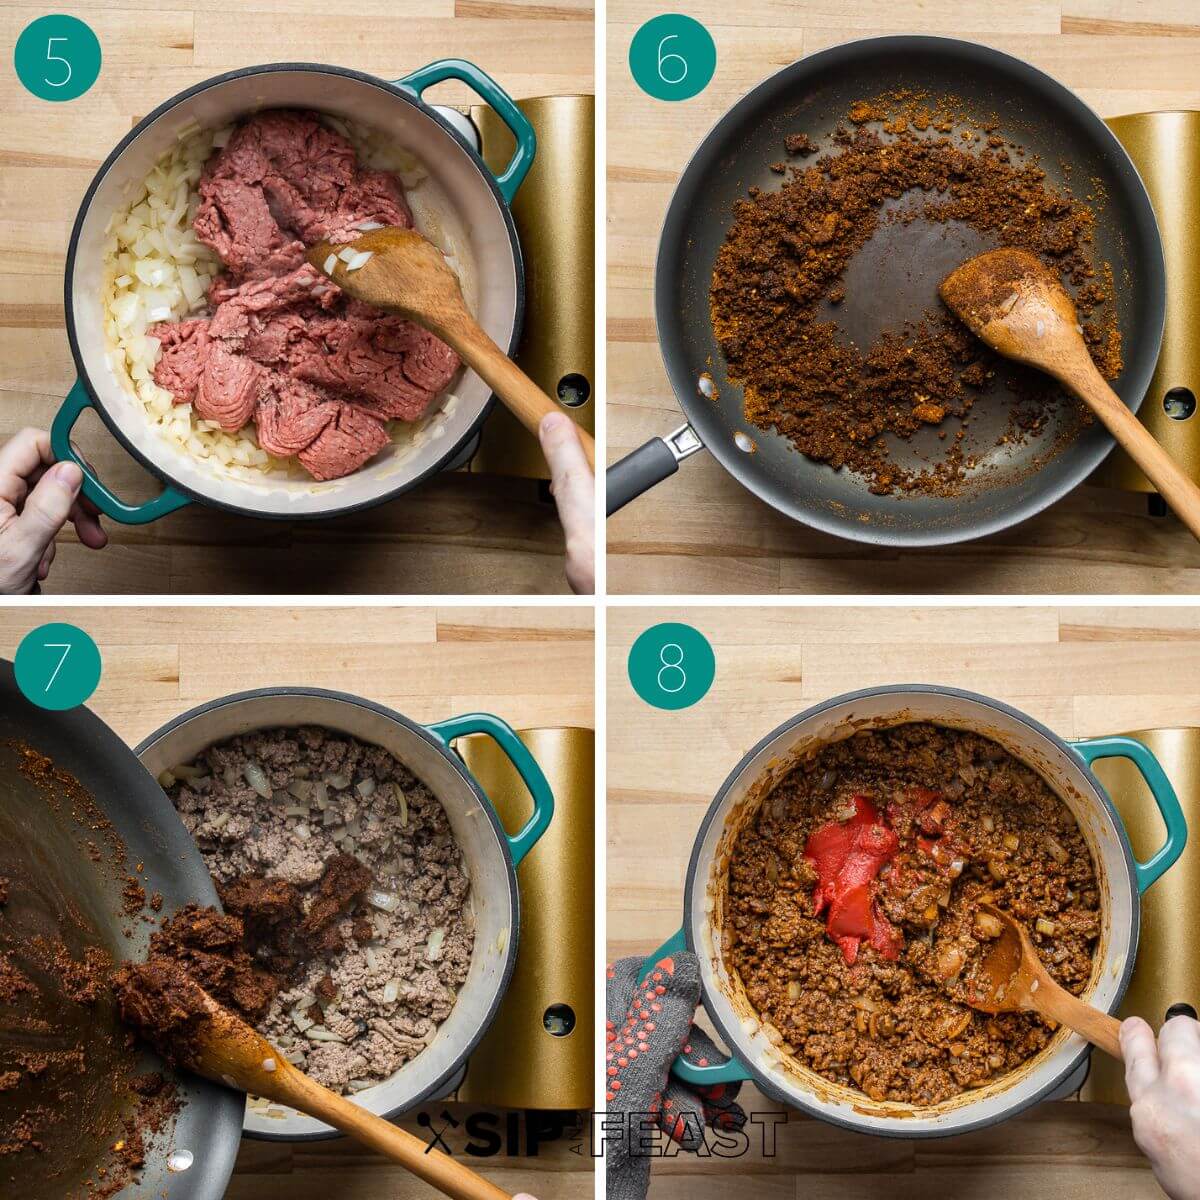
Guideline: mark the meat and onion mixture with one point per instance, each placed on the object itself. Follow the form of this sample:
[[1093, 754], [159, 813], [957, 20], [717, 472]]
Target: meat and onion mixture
[[339, 869], [851, 913]]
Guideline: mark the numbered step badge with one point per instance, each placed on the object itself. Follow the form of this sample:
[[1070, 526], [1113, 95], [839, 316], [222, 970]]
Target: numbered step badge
[[672, 666], [57, 57], [672, 57], [57, 666]]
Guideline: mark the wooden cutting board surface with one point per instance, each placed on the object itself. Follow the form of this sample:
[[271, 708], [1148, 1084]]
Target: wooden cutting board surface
[[458, 534]]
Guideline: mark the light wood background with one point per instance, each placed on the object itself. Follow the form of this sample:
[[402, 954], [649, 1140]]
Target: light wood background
[[426, 663], [701, 532], [1082, 671], [458, 533]]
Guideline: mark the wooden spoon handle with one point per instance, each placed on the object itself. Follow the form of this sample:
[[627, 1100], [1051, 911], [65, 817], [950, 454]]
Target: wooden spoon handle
[[1180, 492], [1098, 1027], [523, 397], [286, 1085]]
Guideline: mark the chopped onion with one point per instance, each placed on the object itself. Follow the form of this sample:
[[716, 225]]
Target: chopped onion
[[256, 777], [367, 226], [402, 805], [391, 990], [360, 260], [318, 1033], [269, 1064], [166, 779], [433, 948], [296, 810], [187, 771], [301, 789], [338, 782], [330, 263], [301, 1020], [346, 254], [1057, 852], [365, 787], [384, 901]]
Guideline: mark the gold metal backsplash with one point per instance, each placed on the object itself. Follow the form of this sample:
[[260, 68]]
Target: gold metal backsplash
[[526, 1060], [1165, 148], [555, 212], [1167, 970]]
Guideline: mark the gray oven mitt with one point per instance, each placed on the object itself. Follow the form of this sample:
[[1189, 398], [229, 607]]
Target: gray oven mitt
[[648, 1025]]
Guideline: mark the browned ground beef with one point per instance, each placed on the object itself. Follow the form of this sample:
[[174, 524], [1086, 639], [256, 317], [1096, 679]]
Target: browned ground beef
[[902, 1030]]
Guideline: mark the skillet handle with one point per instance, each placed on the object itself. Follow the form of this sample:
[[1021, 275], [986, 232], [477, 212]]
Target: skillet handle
[[731, 1071], [657, 460], [538, 786], [484, 86], [111, 505], [1160, 788]]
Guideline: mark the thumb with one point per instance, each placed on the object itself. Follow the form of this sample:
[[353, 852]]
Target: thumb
[[47, 508]]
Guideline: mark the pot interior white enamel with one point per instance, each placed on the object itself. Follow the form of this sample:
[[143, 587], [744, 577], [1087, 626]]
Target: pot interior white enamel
[[725, 999], [493, 881], [489, 259]]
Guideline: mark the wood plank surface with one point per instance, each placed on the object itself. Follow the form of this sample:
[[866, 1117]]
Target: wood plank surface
[[1083, 671], [701, 531], [427, 663], [457, 533]]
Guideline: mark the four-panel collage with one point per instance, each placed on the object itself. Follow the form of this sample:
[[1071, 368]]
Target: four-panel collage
[[599, 601]]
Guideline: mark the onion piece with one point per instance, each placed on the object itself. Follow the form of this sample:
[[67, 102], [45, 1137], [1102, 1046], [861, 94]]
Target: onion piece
[[330, 263], [256, 777], [433, 948], [384, 901]]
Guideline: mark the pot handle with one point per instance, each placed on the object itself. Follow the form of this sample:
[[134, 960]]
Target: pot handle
[[1160, 787], [535, 781], [692, 1073], [484, 86], [167, 501]]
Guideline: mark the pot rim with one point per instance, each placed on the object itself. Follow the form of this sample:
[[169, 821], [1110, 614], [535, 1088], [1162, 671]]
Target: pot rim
[[510, 950], [898, 1127], [398, 92]]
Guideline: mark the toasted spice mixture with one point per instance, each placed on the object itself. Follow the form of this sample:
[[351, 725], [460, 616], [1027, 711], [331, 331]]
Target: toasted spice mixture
[[70, 1089], [779, 279], [866, 971]]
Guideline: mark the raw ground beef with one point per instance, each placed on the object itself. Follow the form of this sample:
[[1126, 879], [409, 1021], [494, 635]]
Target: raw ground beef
[[350, 889], [317, 373], [970, 824]]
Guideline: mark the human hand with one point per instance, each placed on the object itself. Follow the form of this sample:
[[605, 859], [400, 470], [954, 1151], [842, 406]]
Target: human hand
[[648, 1025], [37, 498], [1163, 1081], [573, 486]]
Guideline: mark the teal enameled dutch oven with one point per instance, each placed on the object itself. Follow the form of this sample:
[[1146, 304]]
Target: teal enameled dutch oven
[[480, 201], [491, 856], [1066, 768]]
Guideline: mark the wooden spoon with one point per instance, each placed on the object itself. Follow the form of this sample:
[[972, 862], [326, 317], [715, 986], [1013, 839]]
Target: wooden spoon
[[1014, 303], [1011, 978], [407, 274], [215, 1043]]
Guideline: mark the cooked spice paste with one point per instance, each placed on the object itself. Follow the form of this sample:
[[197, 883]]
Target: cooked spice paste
[[76, 1112], [851, 913], [780, 280]]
